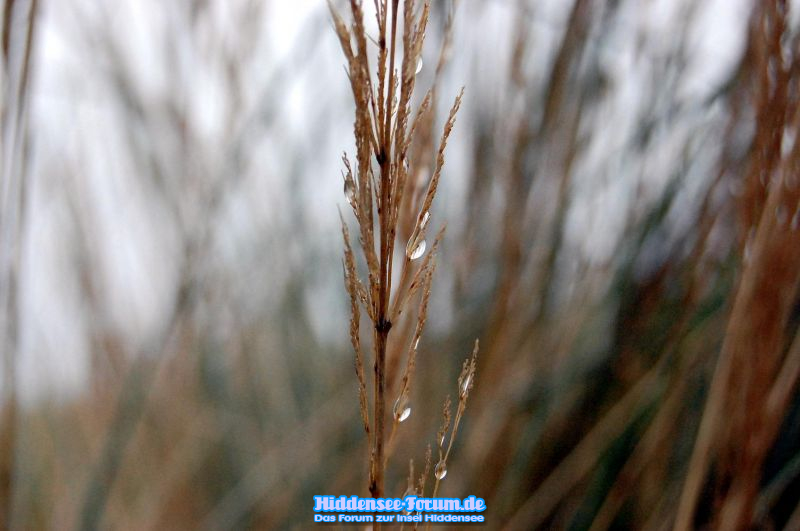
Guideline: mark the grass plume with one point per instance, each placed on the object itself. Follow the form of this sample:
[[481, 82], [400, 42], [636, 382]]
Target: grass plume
[[379, 197]]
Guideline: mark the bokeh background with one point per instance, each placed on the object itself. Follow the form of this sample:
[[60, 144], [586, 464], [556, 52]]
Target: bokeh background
[[174, 321]]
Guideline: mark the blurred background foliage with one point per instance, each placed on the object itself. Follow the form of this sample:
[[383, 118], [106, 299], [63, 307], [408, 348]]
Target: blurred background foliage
[[174, 322]]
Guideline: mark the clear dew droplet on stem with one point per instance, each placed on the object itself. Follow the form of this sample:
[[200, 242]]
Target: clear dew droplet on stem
[[464, 389], [350, 191], [416, 249], [416, 243], [419, 66], [424, 221], [441, 470], [401, 408]]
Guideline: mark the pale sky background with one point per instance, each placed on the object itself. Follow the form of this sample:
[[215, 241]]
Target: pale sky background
[[79, 143]]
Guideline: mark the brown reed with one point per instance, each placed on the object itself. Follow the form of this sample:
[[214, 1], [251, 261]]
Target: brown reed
[[379, 188]]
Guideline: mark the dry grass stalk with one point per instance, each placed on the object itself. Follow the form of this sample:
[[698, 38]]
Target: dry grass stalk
[[423, 478], [753, 377], [465, 382], [583, 458], [380, 197], [356, 291], [401, 409], [18, 55]]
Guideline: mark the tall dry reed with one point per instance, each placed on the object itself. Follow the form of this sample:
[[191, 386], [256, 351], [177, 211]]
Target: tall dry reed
[[379, 188]]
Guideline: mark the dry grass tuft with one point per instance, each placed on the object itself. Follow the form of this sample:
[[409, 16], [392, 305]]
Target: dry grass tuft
[[380, 198], [755, 378]]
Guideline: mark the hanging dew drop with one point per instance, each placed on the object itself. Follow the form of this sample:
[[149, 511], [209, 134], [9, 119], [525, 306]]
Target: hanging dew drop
[[441, 470], [350, 191], [424, 221], [419, 66], [416, 243], [415, 251], [464, 389], [401, 408], [403, 415]]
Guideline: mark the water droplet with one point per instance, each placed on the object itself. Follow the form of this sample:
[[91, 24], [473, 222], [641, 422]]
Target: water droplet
[[350, 191], [415, 249], [419, 66], [416, 243], [416, 343], [401, 408], [424, 221], [463, 391], [441, 441], [441, 470]]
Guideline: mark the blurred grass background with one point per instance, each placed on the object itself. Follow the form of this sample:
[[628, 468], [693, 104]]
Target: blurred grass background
[[174, 322]]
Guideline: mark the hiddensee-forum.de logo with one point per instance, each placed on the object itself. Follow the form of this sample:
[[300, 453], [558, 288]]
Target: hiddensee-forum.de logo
[[345, 509]]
